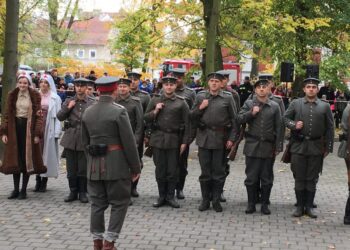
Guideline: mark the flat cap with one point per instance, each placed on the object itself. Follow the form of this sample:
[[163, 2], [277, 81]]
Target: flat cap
[[106, 80], [225, 73], [169, 79], [124, 81], [177, 72], [311, 80], [216, 75], [134, 75], [82, 81], [261, 82]]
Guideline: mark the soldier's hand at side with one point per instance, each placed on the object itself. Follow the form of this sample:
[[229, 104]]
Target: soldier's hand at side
[[255, 110], [183, 148], [299, 125], [71, 104], [229, 144], [134, 177], [4, 139], [204, 104]]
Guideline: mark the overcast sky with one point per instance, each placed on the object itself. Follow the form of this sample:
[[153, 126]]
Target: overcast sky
[[104, 5]]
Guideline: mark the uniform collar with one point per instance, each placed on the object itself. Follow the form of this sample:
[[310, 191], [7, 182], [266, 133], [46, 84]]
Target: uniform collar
[[220, 93], [120, 98], [317, 101], [105, 98], [268, 102], [81, 100], [172, 97]]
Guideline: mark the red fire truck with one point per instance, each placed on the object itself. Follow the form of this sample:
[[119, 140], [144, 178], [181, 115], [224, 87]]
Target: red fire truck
[[234, 69]]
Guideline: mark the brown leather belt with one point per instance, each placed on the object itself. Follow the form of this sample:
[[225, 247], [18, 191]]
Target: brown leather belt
[[114, 147]]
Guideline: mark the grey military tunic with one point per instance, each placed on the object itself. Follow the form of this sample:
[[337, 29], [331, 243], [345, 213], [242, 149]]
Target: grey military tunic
[[168, 122], [188, 94], [72, 135], [318, 129], [343, 150], [144, 97], [135, 113], [263, 135], [217, 123]]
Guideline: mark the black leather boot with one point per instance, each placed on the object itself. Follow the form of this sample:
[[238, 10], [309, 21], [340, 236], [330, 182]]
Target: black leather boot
[[205, 203], [309, 211], [347, 211], [299, 211], [265, 198], [180, 194], [170, 198], [43, 184], [23, 194], [83, 190], [37, 183], [73, 186], [162, 193], [14, 194], [252, 194], [217, 190], [134, 192]]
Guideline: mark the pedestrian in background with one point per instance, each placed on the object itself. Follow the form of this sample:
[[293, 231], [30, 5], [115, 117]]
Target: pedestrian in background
[[21, 130], [50, 106]]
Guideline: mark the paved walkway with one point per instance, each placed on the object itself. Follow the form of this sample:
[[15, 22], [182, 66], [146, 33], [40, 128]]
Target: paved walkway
[[44, 221]]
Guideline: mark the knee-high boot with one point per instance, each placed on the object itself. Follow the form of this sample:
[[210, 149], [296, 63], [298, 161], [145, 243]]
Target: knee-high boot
[[14, 194]]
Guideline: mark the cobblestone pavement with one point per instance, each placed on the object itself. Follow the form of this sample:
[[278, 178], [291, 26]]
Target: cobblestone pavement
[[44, 221]]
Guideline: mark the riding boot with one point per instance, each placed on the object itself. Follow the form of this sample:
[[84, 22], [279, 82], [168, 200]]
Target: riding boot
[[170, 198], [205, 203], [43, 185], [299, 211], [265, 198], [14, 194], [217, 189], [162, 187], [309, 211], [73, 186], [37, 183], [252, 194], [83, 190], [134, 192]]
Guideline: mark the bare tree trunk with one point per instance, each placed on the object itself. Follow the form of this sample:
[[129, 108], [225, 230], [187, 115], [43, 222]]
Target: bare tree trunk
[[255, 62], [211, 18], [10, 49]]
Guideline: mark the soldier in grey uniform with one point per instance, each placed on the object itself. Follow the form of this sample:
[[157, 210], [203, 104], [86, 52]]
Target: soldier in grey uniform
[[264, 141], [169, 114], [312, 132], [145, 99], [236, 98], [71, 112], [189, 95], [113, 162], [343, 152], [214, 113]]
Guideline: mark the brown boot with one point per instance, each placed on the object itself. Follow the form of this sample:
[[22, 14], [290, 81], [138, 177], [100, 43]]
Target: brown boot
[[108, 245], [98, 244]]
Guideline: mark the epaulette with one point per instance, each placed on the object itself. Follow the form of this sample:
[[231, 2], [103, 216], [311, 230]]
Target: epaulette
[[190, 89], [118, 105], [144, 92], [326, 101], [135, 98], [180, 97], [202, 92], [227, 92], [277, 96], [155, 95], [92, 98]]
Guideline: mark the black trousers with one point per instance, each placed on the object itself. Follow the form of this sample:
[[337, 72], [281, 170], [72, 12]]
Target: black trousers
[[166, 162], [76, 163], [306, 170], [183, 164], [212, 165], [259, 169]]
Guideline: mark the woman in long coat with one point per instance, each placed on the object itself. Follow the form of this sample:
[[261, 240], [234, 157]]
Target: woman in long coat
[[50, 105], [21, 129]]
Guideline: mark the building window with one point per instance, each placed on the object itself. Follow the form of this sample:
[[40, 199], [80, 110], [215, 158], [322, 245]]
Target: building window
[[80, 53], [92, 54]]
